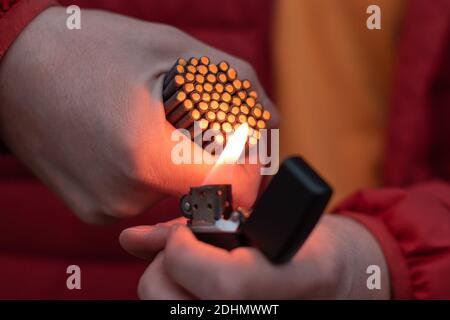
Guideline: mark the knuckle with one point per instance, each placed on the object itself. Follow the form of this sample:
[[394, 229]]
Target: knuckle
[[91, 217], [170, 30], [129, 157], [136, 164], [111, 207], [107, 206], [128, 162], [133, 168], [88, 210], [129, 203], [118, 210], [100, 215], [176, 43], [246, 69]]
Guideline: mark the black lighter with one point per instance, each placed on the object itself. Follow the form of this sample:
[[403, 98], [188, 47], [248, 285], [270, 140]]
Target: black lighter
[[282, 218]]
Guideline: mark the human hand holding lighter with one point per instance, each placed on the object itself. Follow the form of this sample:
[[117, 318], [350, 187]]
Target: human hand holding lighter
[[330, 265]]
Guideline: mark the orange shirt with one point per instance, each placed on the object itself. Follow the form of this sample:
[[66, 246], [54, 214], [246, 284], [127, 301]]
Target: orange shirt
[[332, 85]]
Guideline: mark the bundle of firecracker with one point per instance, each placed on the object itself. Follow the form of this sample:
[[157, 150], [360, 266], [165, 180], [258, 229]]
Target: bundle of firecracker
[[213, 97]]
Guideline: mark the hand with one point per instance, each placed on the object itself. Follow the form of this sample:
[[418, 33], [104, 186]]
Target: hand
[[82, 109], [331, 265]]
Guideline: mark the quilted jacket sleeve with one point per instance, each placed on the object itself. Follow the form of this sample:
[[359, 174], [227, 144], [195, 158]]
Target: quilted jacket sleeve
[[412, 227]]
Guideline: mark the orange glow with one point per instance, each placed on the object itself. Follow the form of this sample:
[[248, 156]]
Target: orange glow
[[234, 147], [221, 173]]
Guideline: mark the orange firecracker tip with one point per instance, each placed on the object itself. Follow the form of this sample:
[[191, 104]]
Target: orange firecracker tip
[[212, 95]]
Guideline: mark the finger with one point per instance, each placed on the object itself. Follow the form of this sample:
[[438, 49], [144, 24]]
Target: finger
[[155, 283], [146, 241], [203, 270]]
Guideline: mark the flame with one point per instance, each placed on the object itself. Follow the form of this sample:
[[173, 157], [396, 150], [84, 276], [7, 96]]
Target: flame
[[234, 147], [229, 155]]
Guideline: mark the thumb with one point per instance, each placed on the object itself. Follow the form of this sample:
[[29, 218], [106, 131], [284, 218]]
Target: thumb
[[145, 242]]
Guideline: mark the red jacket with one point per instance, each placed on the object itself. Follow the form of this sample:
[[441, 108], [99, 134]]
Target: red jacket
[[411, 220]]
